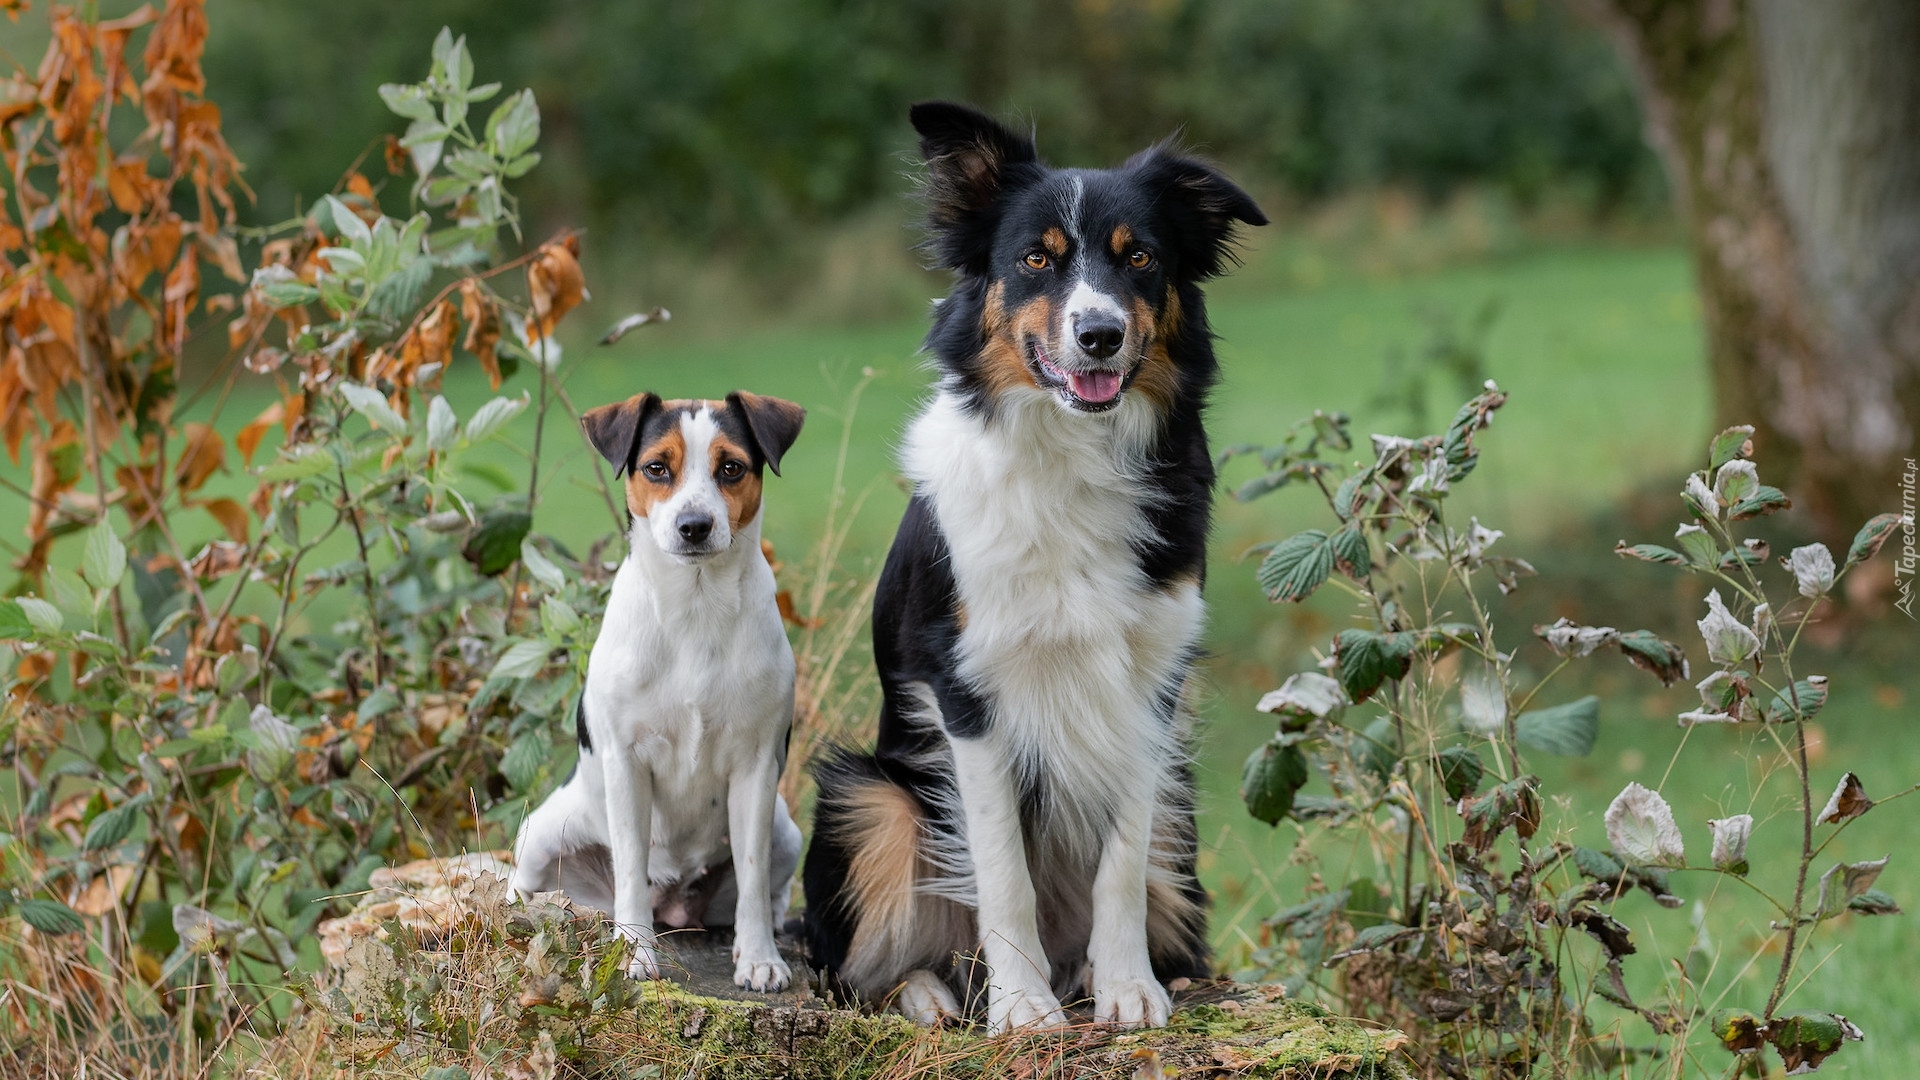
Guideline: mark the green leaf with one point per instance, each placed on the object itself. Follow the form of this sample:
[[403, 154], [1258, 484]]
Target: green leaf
[[351, 229], [1274, 772], [1367, 659], [1801, 700], [522, 660], [1739, 1030], [44, 616], [1598, 865], [1651, 652], [1729, 444], [514, 126], [1261, 485], [1652, 553], [1460, 771], [1873, 902], [495, 544], [521, 763], [541, 567], [408, 101], [1867, 542], [287, 294], [442, 426], [51, 917], [397, 296], [558, 616], [1296, 566], [1805, 1039], [1350, 552], [298, 463], [493, 416], [373, 405], [105, 560], [1701, 548], [113, 826], [14, 624], [1348, 499], [1766, 500], [1568, 729]]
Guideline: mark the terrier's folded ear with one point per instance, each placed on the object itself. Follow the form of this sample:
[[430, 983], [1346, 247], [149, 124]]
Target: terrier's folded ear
[[774, 424], [614, 430]]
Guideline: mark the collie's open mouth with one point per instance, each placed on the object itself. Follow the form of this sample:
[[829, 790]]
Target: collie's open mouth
[[1090, 391]]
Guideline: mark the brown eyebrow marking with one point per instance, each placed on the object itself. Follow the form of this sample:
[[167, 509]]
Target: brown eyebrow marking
[[743, 496], [1122, 240], [642, 493], [1055, 242]]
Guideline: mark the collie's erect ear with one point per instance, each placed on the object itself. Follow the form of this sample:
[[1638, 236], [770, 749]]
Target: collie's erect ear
[[614, 430], [971, 161], [1203, 204], [774, 424]]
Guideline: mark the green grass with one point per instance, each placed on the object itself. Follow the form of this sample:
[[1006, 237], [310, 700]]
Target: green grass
[[1599, 346]]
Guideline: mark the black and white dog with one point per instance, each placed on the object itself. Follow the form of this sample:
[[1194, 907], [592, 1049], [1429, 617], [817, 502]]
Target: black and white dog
[[672, 810], [1028, 809]]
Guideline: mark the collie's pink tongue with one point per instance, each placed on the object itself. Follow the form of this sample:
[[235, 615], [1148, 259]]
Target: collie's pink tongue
[[1095, 386]]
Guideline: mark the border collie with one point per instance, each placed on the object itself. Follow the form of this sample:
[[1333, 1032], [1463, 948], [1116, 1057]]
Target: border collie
[[1023, 832], [683, 724]]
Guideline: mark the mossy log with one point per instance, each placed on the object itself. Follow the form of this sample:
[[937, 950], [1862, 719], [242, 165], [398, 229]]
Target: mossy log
[[504, 990]]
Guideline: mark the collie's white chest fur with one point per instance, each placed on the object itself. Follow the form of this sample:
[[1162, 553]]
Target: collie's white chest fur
[[1075, 651]]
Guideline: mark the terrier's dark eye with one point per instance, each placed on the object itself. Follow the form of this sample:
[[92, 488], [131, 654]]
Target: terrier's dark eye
[[731, 469], [1037, 260], [1140, 260], [656, 470]]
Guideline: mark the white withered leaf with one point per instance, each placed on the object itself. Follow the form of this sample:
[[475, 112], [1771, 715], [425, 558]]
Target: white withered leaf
[[1812, 568], [1730, 842], [1641, 828], [1306, 694], [1728, 640]]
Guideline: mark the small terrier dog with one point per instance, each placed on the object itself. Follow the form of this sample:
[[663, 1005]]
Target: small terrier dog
[[689, 696]]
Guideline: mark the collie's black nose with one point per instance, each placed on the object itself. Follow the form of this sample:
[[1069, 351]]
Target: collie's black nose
[[1101, 337], [694, 528]]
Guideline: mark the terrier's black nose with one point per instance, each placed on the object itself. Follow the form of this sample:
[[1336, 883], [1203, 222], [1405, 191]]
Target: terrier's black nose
[[1101, 337], [694, 528]]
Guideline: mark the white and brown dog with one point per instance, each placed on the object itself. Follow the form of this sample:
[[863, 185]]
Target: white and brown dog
[[689, 696]]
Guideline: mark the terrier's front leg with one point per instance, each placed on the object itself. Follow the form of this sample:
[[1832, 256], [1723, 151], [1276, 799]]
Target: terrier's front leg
[[756, 959], [629, 795], [1124, 989], [1019, 993]]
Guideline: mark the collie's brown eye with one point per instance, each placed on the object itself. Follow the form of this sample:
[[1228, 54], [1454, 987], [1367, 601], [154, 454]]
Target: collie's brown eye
[[1037, 260], [1140, 260], [732, 470], [656, 470]]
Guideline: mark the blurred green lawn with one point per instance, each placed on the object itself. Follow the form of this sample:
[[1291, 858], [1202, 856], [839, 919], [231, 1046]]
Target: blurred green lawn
[[1599, 346]]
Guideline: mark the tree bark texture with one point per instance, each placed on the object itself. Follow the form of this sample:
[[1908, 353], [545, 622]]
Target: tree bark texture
[[1790, 130]]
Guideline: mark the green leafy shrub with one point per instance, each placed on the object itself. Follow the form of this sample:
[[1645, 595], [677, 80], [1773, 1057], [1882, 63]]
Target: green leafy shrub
[[1492, 941], [209, 749]]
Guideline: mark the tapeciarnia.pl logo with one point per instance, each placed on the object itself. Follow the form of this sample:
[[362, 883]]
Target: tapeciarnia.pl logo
[[1903, 567]]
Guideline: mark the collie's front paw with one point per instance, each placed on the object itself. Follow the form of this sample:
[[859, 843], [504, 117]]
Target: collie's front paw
[[924, 998], [1132, 1003], [760, 969], [1015, 1008]]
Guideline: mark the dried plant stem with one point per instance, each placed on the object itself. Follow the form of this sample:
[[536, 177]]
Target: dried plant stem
[[1800, 882]]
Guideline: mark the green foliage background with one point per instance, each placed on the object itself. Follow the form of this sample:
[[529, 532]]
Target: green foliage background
[[742, 124]]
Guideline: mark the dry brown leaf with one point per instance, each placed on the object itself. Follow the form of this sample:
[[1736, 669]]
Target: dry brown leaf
[[104, 892], [556, 285], [217, 560], [231, 516], [483, 328], [248, 438], [204, 454]]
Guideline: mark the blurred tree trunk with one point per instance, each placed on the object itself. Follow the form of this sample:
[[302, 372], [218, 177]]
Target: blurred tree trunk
[[1791, 134]]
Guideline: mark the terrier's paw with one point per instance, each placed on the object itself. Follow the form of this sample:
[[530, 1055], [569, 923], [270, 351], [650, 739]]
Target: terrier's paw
[[1017, 1008], [924, 998], [760, 970], [1132, 1003]]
